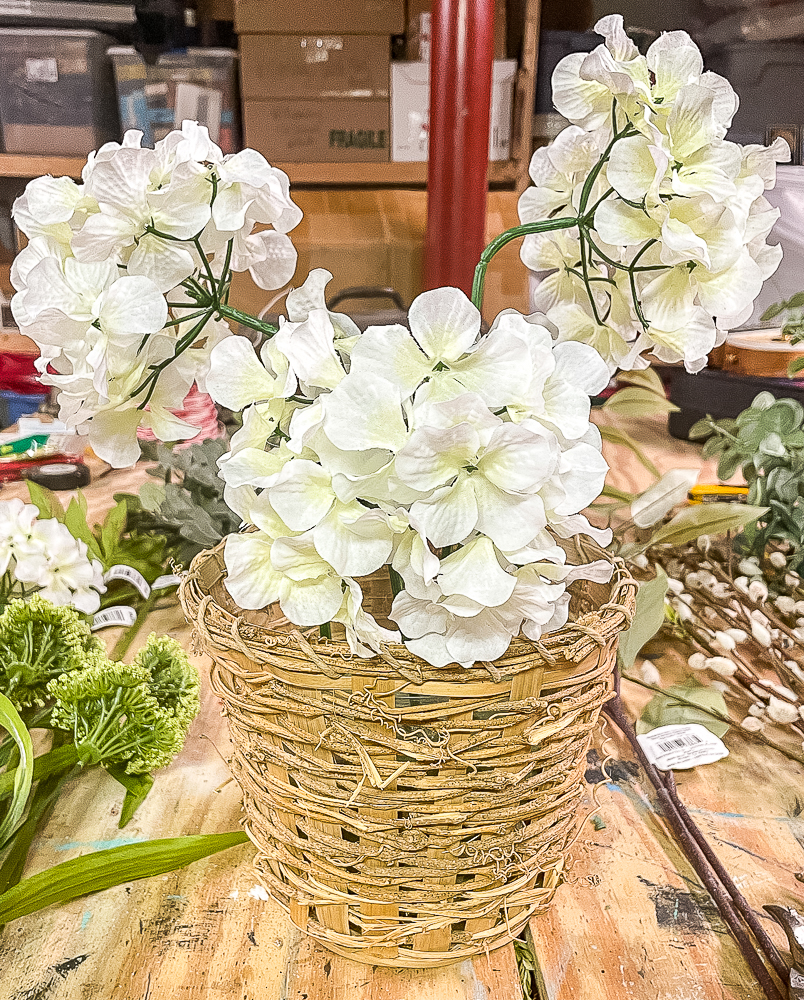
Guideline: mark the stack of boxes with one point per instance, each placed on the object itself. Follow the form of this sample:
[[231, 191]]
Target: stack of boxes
[[410, 89], [315, 78]]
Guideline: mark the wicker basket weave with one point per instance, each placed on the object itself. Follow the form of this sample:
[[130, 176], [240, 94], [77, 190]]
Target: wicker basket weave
[[405, 815]]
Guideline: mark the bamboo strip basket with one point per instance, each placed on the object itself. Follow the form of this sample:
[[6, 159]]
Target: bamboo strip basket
[[404, 815]]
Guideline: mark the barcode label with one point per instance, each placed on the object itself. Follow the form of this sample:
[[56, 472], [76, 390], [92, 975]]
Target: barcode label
[[682, 746], [130, 575], [687, 741], [163, 582], [120, 614]]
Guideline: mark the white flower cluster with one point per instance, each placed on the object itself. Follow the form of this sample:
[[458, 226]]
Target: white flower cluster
[[123, 282], [40, 555], [456, 458], [665, 247]]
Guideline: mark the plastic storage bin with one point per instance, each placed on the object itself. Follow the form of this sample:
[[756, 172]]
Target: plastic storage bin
[[197, 84], [769, 78], [57, 95]]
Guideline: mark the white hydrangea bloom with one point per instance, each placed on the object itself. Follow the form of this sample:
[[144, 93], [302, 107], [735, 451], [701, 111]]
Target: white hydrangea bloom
[[124, 282], [457, 458], [40, 555], [668, 250]]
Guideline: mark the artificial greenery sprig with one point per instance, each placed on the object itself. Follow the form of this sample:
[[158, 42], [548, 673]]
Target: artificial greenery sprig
[[766, 443]]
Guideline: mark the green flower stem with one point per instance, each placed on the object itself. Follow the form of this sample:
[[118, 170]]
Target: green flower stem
[[545, 226], [228, 312], [124, 642]]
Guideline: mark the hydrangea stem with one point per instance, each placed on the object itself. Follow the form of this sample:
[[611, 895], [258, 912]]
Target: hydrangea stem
[[545, 226]]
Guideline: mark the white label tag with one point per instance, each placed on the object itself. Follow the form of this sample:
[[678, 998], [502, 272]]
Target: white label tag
[[162, 582], [678, 747], [42, 70], [130, 575], [120, 614]]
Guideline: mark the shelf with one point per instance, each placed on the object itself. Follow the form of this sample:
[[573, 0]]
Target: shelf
[[28, 165], [331, 174], [374, 174]]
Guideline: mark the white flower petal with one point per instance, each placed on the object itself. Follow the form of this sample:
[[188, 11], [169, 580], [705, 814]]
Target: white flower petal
[[444, 322], [474, 571]]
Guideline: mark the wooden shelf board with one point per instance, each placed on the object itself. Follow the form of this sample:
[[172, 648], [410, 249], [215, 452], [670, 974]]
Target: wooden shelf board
[[25, 165], [330, 174], [370, 174]]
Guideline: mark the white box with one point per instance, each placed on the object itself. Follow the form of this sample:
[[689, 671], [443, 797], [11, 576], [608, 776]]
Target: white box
[[410, 109]]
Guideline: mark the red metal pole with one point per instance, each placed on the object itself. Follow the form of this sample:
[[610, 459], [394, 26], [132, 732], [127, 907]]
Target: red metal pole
[[457, 178]]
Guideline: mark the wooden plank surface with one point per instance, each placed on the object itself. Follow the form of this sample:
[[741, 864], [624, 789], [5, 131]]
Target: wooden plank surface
[[633, 922]]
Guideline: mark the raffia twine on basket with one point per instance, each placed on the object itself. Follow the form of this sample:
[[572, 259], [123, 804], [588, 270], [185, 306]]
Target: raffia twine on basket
[[405, 815]]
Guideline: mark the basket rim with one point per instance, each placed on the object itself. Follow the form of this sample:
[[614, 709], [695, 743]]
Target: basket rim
[[567, 646]]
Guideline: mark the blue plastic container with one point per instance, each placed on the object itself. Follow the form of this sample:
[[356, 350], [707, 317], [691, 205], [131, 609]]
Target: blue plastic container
[[14, 405]]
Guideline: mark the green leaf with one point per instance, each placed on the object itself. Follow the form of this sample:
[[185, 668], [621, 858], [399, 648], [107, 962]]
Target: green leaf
[[10, 721], [44, 766], [663, 710], [646, 378], [46, 501], [637, 402], [616, 436], [648, 619], [75, 519], [658, 500], [113, 526], [104, 869], [137, 787], [730, 461], [701, 429], [795, 367], [703, 519]]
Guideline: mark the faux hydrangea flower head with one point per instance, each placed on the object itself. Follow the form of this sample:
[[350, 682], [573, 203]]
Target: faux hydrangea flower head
[[665, 248], [123, 284], [456, 457]]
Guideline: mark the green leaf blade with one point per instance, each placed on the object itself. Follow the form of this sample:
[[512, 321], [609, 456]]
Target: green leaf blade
[[10, 721], [648, 619], [105, 869]]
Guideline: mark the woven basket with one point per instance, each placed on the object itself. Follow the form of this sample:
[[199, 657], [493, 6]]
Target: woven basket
[[405, 815]]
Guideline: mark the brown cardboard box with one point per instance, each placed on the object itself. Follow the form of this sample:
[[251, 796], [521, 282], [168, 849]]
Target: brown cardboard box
[[369, 17], [376, 237], [362, 237], [314, 66], [418, 30], [319, 131]]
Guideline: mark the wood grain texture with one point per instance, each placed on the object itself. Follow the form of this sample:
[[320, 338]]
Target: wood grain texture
[[633, 923]]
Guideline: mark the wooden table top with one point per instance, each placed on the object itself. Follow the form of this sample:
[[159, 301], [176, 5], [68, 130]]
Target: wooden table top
[[632, 922]]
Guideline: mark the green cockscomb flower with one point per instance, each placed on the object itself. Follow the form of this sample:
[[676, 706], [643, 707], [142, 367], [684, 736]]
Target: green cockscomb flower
[[39, 642], [174, 680]]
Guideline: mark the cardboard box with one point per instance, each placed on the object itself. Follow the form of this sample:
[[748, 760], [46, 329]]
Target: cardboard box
[[410, 110], [324, 67], [418, 30], [357, 17], [318, 131], [362, 237]]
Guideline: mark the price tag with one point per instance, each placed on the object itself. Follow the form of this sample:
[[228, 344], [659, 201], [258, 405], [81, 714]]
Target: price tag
[[130, 575], [678, 747], [120, 614], [163, 582]]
